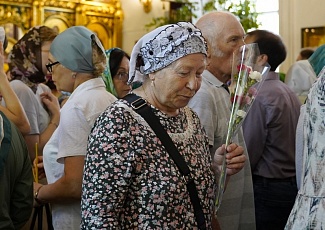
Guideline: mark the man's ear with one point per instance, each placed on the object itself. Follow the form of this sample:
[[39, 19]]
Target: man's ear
[[262, 59]]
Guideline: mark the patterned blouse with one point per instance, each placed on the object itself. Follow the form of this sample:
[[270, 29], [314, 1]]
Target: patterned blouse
[[131, 182], [309, 209]]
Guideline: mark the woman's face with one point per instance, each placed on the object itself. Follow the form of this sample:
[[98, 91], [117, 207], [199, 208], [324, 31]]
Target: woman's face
[[61, 76], [175, 85], [121, 78]]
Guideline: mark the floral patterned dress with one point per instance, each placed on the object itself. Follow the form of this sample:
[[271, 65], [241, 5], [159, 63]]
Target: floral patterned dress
[[131, 182], [309, 209]]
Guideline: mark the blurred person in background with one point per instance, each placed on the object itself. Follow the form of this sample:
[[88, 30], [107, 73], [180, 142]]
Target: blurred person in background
[[16, 178], [27, 61], [269, 131], [116, 73], [224, 34], [304, 54], [13, 109]]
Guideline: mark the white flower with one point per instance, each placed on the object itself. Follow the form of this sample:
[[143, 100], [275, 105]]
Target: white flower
[[241, 113], [240, 91], [256, 76]]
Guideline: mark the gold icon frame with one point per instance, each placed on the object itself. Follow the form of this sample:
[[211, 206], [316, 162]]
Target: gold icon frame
[[104, 17]]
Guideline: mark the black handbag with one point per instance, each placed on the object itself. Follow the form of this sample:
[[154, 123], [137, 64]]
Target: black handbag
[[140, 106]]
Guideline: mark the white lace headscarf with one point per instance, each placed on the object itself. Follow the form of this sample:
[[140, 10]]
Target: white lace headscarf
[[162, 46]]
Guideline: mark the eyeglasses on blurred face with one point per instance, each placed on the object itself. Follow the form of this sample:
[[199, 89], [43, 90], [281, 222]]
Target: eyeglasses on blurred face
[[49, 66], [123, 76]]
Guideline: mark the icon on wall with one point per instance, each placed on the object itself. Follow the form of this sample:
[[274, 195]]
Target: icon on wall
[[56, 23], [312, 36]]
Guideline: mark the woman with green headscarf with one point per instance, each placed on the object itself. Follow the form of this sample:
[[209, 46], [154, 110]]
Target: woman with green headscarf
[[116, 73]]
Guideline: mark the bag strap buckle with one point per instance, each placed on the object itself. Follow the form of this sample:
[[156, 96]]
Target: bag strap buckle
[[138, 103]]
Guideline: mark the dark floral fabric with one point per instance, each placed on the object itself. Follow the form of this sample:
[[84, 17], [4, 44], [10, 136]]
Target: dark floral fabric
[[131, 182], [25, 58]]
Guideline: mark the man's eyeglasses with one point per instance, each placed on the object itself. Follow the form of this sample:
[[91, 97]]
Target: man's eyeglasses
[[123, 76], [49, 66]]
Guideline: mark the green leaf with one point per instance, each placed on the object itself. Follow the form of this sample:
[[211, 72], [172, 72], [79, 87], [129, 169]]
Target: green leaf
[[245, 11]]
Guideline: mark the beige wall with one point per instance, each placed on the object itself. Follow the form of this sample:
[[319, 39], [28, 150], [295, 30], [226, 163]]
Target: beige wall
[[135, 20], [294, 15]]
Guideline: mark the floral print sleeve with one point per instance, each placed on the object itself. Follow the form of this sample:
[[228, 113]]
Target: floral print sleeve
[[130, 181]]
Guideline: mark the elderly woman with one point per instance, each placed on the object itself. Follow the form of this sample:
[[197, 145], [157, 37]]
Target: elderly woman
[[76, 61], [116, 73], [131, 180]]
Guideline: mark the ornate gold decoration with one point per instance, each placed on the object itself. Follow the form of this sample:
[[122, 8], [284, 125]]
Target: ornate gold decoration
[[104, 17], [18, 15]]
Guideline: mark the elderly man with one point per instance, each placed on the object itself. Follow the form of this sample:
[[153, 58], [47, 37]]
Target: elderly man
[[224, 34]]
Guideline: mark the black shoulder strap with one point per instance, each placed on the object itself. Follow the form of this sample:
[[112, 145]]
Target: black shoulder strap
[[140, 106]]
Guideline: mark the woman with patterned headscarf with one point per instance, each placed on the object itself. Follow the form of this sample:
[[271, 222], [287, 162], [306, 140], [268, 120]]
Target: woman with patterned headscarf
[[116, 73], [27, 69], [130, 180], [13, 110]]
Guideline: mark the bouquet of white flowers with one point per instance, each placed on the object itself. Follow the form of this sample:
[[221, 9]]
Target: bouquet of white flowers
[[247, 77]]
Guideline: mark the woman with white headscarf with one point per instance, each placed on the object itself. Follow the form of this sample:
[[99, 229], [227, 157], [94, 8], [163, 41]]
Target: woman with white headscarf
[[130, 179]]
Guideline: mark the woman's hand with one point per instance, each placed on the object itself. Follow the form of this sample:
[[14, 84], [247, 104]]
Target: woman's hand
[[38, 164], [52, 103], [235, 158], [37, 188]]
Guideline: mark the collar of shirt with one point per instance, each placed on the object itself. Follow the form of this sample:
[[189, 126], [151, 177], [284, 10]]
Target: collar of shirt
[[88, 85], [272, 76], [212, 79]]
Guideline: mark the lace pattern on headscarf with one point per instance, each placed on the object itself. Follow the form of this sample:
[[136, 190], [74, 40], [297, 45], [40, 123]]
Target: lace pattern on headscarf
[[164, 45]]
